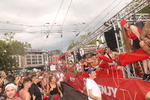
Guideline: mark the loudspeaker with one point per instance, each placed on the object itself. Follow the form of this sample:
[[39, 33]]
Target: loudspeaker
[[111, 39], [140, 25]]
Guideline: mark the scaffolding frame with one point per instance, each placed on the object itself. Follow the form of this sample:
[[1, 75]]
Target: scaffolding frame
[[129, 13]]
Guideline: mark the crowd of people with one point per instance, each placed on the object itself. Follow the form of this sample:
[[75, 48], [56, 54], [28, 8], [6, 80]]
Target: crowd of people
[[31, 86], [101, 60], [46, 85]]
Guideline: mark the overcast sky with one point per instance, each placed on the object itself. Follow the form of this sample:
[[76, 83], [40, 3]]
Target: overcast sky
[[33, 20]]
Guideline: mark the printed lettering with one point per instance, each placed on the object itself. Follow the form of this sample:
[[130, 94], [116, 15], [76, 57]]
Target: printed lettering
[[107, 90]]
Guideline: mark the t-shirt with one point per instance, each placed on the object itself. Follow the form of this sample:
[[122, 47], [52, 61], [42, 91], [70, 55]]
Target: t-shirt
[[60, 76], [34, 89], [91, 84]]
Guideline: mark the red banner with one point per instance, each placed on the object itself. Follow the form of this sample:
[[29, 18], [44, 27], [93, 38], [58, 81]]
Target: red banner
[[128, 58], [112, 88]]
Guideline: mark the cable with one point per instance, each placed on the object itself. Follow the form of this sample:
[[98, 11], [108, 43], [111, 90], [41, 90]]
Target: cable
[[107, 14], [8, 22], [55, 18], [66, 15], [93, 20], [53, 22], [77, 18], [99, 15]]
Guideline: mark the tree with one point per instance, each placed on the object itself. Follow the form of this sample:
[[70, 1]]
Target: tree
[[145, 10], [9, 49], [72, 44]]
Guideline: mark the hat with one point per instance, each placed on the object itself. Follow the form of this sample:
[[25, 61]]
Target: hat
[[91, 69], [122, 22], [11, 85]]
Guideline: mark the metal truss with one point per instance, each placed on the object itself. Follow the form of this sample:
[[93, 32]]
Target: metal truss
[[129, 13]]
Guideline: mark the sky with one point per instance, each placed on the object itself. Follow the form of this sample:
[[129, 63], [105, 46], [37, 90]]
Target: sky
[[41, 22]]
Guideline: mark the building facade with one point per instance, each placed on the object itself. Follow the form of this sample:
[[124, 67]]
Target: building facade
[[34, 58]]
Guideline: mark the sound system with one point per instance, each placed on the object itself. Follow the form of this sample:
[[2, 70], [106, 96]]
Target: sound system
[[111, 39], [140, 25]]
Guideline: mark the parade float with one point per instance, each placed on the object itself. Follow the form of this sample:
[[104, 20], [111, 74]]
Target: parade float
[[116, 84]]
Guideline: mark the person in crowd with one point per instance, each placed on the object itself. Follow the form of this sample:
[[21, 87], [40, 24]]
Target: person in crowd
[[87, 63], [94, 61], [11, 90], [93, 90], [40, 81], [112, 55], [45, 85], [34, 89], [79, 67], [54, 90], [60, 77], [23, 93], [10, 79]]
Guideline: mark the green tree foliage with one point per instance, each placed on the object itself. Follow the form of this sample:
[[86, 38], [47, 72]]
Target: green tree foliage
[[92, 42], [83, 36], [9, 49], [145, 10], [72, 44]]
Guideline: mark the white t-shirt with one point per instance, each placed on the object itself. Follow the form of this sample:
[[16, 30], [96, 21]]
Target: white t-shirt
[[91, 84], [79, 68], [61, 77]]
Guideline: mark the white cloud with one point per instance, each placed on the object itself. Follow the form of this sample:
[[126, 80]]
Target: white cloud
[[37, 13]]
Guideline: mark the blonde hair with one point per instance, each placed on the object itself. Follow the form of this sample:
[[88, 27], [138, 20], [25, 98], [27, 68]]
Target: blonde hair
[[126, 39]]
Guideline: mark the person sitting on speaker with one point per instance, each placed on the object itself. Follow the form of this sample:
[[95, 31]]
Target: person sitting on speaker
[[132, 33]]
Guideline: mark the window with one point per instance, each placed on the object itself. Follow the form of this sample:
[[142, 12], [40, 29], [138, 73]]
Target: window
[[34, 59], [34, 56], [40, 56], [28, 63], [28, 59], [34, 62], [40, 62], [28, 56], [40, 59]]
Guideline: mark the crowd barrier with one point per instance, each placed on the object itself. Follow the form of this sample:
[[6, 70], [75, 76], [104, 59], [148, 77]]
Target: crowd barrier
[[113, 86]]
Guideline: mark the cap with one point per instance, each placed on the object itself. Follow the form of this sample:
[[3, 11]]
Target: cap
[[122, 22], [91, 69]]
